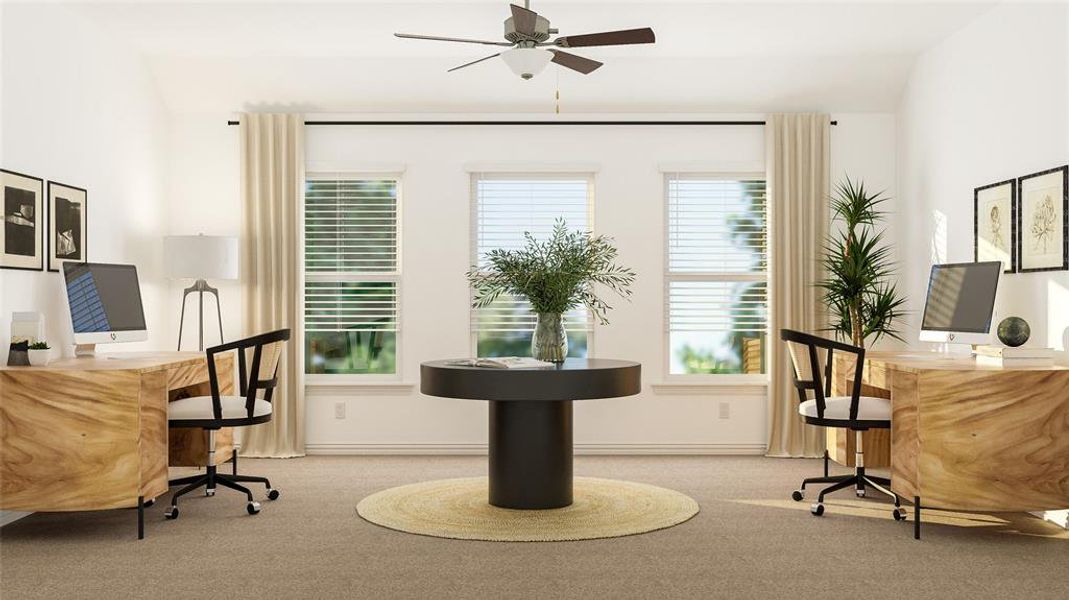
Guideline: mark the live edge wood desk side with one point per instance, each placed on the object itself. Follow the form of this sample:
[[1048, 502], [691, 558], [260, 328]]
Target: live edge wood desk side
[[972, 437], [91, 433]]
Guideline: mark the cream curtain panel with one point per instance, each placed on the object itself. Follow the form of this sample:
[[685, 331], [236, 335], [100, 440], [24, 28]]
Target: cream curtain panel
[[272, 187], [797, 159]]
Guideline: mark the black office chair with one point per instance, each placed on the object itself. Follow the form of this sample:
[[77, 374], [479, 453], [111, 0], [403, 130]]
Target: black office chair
[[813, 373], [215, 412]]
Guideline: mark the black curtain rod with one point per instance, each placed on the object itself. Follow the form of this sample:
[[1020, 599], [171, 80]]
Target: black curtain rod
[[618, 123]]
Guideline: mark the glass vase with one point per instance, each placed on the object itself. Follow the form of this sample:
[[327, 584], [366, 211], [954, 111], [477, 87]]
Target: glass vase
[[550, 341]]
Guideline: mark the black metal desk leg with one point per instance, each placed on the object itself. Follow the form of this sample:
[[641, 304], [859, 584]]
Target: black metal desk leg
[[916, 517], [140, 517]]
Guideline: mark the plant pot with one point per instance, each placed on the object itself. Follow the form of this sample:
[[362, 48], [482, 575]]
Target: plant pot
[[39, 358], [550, 341]]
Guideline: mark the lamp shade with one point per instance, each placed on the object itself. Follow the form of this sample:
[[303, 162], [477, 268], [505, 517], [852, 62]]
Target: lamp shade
[[526, 62], [201, 256]]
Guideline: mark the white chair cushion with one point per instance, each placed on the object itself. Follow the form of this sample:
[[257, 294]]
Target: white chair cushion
[[838, 408], [200, 408]]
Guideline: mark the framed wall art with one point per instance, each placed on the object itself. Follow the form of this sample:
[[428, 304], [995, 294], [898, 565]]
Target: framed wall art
[[1043, 220], [21, 237], [67, 220], [995, 224]]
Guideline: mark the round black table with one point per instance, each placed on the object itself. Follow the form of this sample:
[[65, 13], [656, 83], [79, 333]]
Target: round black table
[[531, 419]]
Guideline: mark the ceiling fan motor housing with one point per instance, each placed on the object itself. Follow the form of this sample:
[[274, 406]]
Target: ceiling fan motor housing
[[541, 31]]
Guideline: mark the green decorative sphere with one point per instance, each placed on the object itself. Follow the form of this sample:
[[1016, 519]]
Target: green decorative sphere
[[1013, 331]]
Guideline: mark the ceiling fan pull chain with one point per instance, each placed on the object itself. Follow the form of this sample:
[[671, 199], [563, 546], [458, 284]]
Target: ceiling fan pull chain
[[558, 92]]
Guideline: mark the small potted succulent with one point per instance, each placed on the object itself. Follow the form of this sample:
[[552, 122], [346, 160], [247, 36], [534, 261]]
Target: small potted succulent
[[40, 353]]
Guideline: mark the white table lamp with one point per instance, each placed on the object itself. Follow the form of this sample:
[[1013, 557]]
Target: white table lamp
[[201, 257]]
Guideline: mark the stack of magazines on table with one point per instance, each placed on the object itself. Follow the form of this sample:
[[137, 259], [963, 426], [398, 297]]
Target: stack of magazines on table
[[505, 362]]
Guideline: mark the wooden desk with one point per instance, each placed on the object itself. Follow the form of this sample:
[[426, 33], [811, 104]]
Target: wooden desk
[[972, 437], [91, 433]]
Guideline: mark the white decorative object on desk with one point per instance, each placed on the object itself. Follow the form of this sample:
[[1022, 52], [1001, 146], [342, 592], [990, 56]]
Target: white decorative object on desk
[[26, 328], [40, 357]]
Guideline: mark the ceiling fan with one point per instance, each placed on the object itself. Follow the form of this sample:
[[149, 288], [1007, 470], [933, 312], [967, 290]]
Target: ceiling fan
[[528, 33]]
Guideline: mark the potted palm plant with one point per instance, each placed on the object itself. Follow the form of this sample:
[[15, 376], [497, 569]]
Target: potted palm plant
[[554, 275], [859, 290]]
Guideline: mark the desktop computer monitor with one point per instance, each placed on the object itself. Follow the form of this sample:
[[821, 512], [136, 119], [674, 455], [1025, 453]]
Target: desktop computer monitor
[[960, 303], [105, 304]]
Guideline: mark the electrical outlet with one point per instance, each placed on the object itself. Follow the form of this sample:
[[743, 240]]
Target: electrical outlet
[[725, 410], [339, 410]]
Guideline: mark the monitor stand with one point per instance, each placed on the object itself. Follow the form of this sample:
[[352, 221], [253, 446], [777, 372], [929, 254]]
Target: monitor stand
[[85, 350]]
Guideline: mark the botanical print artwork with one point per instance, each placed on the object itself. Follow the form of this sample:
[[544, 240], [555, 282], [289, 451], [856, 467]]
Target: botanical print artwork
[[1044, 226], [993, 225], [1043, 220]]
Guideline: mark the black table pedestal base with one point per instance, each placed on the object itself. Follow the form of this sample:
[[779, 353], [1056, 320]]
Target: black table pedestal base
[[530, 454]]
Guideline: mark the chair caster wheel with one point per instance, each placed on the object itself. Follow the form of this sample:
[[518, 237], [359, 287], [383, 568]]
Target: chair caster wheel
[[209, 492], [253, 508], [149, 502], [171, 514], [860, 493], [899, 514], [272, 494], [817, 509], [798, 495]]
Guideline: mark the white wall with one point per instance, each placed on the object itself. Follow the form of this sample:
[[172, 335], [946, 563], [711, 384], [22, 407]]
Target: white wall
[[203, 197], [988, 104], [80, 110], [629, 206]]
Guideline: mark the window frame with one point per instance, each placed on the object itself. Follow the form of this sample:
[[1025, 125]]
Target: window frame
[[726, 379], [473, 242], [396, 277]]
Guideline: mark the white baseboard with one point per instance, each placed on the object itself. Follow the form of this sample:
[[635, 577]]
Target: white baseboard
[[580, 449]]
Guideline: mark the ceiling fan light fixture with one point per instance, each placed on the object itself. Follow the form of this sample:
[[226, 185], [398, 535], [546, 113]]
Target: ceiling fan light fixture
[[527, 62]]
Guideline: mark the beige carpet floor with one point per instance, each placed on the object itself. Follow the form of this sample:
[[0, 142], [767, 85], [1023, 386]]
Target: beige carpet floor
[[748, 541]]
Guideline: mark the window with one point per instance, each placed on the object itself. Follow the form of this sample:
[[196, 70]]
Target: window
[[716, 282], [503, 208], [352, 274]]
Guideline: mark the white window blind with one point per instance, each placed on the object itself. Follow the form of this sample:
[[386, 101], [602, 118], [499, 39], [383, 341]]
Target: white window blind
[[504, 207], [352, 274], [717, 274], [350, 226]]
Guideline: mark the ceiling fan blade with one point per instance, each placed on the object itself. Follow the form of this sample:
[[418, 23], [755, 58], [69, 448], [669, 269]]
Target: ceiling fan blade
[[609, 38], [473, 62], [523, 19], [413, 36], [574, 62]]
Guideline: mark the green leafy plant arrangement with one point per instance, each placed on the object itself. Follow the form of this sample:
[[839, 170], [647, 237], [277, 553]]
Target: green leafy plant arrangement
[[554, 275], [861, 298], [39, 346]]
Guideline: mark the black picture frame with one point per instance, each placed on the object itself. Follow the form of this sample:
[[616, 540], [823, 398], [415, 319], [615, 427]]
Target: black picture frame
[[60, 216], [1012, 183], [36, 236], [1064, 226]]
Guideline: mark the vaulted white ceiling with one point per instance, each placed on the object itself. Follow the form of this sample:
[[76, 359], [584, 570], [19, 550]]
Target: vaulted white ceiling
[[709, 57]]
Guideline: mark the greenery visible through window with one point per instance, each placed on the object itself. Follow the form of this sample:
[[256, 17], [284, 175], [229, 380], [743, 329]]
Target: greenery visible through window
[[505, 208], [351, 275], [717, 278]]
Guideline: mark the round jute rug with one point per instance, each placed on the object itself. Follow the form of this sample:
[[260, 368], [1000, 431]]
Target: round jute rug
[[458, 509]]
